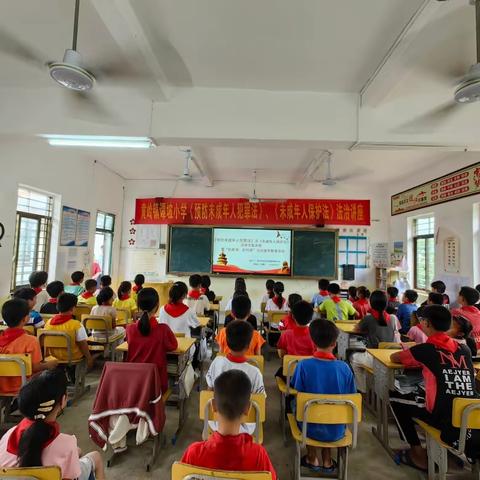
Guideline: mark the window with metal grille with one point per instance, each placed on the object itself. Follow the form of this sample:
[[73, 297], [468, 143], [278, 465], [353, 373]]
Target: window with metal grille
[[352, 250], [104, 241], [423, 252], [32, 234]]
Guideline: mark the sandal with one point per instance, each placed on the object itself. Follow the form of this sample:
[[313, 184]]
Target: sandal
[[330, 469], [403, 457], [304, 463]]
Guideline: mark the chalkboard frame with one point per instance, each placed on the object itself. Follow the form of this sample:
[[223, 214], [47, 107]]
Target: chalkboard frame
[[269, 227]]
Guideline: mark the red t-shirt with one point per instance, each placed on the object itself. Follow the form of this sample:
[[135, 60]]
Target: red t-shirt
[[152, 348], [287, 322], [362, 306], [229, 452], [296, 341], [472, 314]]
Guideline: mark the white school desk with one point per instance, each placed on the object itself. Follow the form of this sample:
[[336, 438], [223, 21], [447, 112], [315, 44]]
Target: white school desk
[[346, 331]]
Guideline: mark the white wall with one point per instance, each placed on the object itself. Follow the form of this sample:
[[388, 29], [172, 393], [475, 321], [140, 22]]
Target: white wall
[[78, 181], [454, 218], [377, 232]]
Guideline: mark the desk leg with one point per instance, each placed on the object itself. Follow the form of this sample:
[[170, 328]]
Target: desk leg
[[342, 345]]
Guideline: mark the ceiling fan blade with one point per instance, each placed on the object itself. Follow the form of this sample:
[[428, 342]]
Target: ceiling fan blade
[[89, 107], [10, 45], [118, 71], [431, 120]]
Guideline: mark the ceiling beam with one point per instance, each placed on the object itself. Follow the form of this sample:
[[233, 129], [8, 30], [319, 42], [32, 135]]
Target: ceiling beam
[[394, 64], [126, 29], [198, 158]]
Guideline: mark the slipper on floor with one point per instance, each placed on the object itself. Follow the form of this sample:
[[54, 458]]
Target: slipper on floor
[[403, 456], [331, 469], [306, 464]]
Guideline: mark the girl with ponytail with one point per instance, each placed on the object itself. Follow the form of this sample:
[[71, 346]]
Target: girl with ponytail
[[125, 299], [377, 326], [36, 441], [148, 340], [278, 302]]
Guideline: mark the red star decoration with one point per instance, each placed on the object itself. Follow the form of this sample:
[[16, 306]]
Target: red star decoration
[[133, 231], [131, 241], [132, 221]]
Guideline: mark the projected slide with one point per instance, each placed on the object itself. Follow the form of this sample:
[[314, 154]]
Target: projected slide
[[251, 251]]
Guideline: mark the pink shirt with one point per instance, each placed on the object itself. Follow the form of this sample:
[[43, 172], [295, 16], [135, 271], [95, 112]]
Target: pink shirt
[[415, 334], [62, 452]]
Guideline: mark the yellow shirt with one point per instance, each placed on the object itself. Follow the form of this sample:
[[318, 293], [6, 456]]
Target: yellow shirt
[[75, 331], [128, 304], [87, 301], [337, 311]]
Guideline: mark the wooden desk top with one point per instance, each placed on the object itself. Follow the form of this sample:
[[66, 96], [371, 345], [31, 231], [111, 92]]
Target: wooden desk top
[[218, 299], [203, 321], [346, 327], [383, 356], [476, 365], [184, 344], [215, 307]]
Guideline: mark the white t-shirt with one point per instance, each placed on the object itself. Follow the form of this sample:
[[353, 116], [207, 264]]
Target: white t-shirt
[[180, 324], [272, 306], [81, 334], [265, 298], [104, 311], [42, 298], [199, 306], [228, 308]]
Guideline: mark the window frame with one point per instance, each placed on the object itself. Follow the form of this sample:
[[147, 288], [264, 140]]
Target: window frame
[[415, 239], [106, 231], [356, 251]]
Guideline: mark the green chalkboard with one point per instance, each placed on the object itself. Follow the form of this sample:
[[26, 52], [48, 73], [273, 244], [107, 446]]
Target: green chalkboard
[[190, 250], [315, 253]]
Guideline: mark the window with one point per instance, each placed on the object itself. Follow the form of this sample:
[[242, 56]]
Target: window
[[423, 252], [352, 251], [104, 241], [32, 234]]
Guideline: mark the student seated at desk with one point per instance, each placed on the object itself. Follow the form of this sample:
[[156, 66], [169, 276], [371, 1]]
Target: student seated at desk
[[195, 300], [327, 375], [269, 284], [138, 282], [176, 314], [205, 288], [64, 322], [15, 339], [393, 302], [36, 441], [461, 332], [416, 334], [241, 307], [352, 294], [378, 326], [105, 308], [28, 294], [278, 302], [334, 307], [76, 286], [287, 321], [467, 298], [404, 311], [105, 281], [362, 305], [148, 340], [54, 289], [38, 280], [125, 300], [442, 361], [228, 448], [438, 287], [322, 294], [239, 290], [88, 296]]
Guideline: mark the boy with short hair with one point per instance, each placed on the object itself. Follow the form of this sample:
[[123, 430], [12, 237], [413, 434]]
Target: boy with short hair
[[438, 287], [435, 299], [88, 296], [287, 321], [393, 302], [241, 307], [38, 281], [64, 322], [54, 289], [335, 308], [323, 374], [76, 286], [297, 340], [15, 340], [28, 294], [228, 449], [362, 305], [404, 311], [195, 300], [448, 373], [322, 294], [467, 298]]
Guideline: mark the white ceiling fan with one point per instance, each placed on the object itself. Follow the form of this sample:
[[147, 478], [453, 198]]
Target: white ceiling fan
[[186, 176], [329, 180]]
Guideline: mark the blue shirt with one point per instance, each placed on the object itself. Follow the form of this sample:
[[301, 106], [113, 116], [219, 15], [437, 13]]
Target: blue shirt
[[318, 299], [36, 319], [404, 312], [328, 377]]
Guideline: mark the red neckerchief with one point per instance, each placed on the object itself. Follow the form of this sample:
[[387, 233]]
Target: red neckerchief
[[26, 423], [87, 295], [470, 309], [408, 302], [299, 330], [353, 300], [376, 315], [336, 298], [60, 319], [124, 297], [176, 309], [324, 293], [324, 355], [278, 301], [234, 359], [393, 299], [443, 341], [446, 299], [195, 294], [136, 288], [362, 301], [203, 291], [53, 300], [10, 334], [37, 289]]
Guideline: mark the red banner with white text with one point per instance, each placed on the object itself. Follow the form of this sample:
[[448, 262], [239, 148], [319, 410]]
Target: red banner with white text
[[240, 211]]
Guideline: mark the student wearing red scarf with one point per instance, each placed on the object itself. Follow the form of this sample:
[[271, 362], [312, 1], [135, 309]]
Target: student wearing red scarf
[[323, 374], [195, 299], [38, 281], [88, 296], [287, 321], [443, 361], [322, 294], [335, 308], [467, 298], [125, 299], [37, 441], [362, 304], [15, 340], [54, 289]]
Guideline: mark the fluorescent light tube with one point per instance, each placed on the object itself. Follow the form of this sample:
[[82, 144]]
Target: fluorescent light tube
[[99, 141]]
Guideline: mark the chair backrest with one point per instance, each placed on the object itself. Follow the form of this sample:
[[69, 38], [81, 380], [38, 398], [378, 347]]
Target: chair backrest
[[465, 415], [34, 473], [227, 313], [182, 471], [255, 360], [54, 339], [124, 316], [394, 345], [276, 316], [16, 365], [262, 306], [256, 414], [288, 367], [81, 309], [97, 322], [180, 334], [30, 329], [329, 409]]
